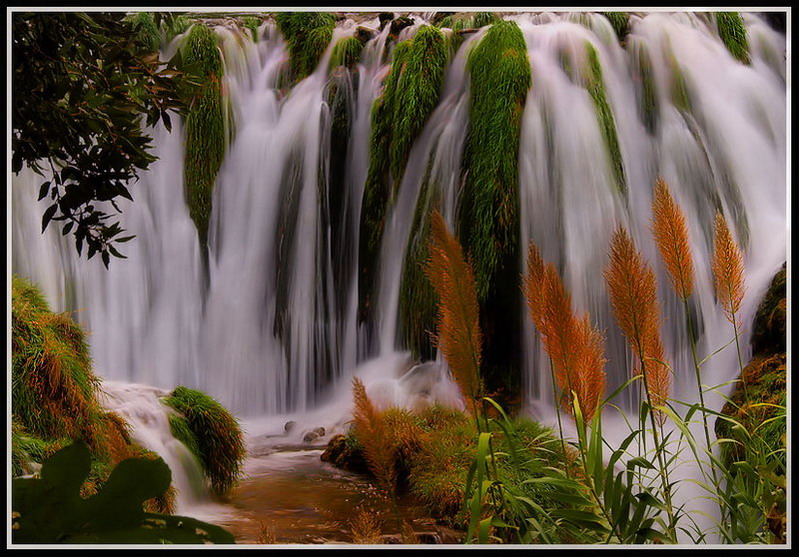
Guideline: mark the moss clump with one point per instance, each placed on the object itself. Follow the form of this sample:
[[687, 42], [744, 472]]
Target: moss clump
[[418, 300], [307, 35], [252, 23], [769, 333], [733, 33], [346, 53], [52, 383], [54, 392], [648, 104], [620, 22], [181, 431], [219, 439], [148, 36], [500, 76], [596, 88], [411, 92], [175, 25], [205, 125]]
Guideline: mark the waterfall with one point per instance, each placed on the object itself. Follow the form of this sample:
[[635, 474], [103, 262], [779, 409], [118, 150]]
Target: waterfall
[[271, 326]]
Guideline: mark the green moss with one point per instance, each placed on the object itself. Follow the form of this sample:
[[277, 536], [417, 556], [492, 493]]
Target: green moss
[[148, 36], [175, 25], [648, 104], [219, 439], [418, 300], [500, 76], [52, 383], [307, 35], [733, 33], [205, 125], [596, 88], [410, 94], [181, 431], [620, 22], [252, 23], [346, 52]]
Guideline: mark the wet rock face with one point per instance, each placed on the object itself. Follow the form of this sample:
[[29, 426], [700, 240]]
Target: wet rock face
[[313, 435], [769, 334]]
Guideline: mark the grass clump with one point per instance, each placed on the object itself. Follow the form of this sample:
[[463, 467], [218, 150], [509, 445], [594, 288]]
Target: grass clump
[[54, 392], [346, 53], [500, 76], [733, 33], [175, 24], [252, 23], [410, 93], [620, 22], [307, 35], [219, 439], [596, 88], [205, 124], [148, 36]]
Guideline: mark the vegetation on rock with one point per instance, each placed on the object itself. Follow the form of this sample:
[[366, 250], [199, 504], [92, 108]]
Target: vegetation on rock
[[307, 35], [346, 52], [206, 139], [210, 429], [733, 33]]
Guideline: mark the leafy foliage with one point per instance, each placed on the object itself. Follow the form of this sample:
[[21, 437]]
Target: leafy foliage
[[82, 91], [50, 509], [219, 439]]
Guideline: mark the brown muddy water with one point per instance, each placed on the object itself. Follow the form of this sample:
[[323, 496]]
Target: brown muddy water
[[292, 497]]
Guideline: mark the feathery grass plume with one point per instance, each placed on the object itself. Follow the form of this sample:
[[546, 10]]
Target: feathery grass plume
[[671, 237], [533, 283], [633, 294], [458, 337], [366, 527], [728, 269], [377, 441], [575, 347]]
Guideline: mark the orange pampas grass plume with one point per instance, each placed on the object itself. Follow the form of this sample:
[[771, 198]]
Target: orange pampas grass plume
[[671, 237], [728, 269], [633, 294], [458, 337], [373, 434], [574, 346]]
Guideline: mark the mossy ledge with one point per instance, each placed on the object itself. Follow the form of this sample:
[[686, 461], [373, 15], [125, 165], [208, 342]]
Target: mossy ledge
[[54, 395], [596, 88], [733, 33], [346, 53], [211, 432], [206, 141], [410, 94], [148, 36], [620, 22], [500, 77], [307, 35]]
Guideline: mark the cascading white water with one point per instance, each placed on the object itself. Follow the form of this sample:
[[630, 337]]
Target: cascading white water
[[273, 326]]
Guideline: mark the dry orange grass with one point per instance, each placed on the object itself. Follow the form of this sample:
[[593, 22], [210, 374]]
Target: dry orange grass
[[459, 337], [728, 269], [671, 236], [633, 294], [575, 348], [377, 440], [366, 527]]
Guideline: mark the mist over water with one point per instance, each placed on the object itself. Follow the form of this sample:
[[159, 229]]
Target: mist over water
[[270, 327]]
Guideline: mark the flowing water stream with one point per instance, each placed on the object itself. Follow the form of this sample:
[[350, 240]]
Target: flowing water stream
[[271, 329]]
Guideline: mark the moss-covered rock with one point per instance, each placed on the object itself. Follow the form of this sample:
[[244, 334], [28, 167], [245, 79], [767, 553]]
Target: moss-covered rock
[[769, 332], [206, 139], [648, 100], [252, 23], [210, 431], [54, 393], [733, 33], [410, 94], [346, 453], [148, 36], [620, 22], [307, 35], [346, 53], [596, 88]]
